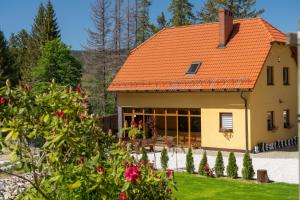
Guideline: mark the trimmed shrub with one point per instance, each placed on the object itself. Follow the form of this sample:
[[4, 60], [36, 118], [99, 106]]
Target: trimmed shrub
[[190, 167], [232, 168], [202, 164], [144, 157], [247, 171], [164, 158], [219, 165]]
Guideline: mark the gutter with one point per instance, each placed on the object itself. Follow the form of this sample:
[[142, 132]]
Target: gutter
[[246, 119]]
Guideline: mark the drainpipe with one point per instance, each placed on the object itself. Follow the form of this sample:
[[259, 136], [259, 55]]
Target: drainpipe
[[246, 119]]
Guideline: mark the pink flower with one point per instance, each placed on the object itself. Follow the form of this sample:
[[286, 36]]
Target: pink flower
[[81, 160], [132, 174], [9, 101], [170, 173], [122, 196], [2, 100], [60, 114], [100, 169]]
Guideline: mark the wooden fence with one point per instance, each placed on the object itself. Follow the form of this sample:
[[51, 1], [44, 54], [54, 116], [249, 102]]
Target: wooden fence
[[109, 122]]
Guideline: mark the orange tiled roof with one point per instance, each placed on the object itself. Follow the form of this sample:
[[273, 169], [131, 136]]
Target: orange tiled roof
[[161, 62]]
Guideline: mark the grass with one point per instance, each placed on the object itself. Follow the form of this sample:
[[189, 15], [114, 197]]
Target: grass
[[194, 187]]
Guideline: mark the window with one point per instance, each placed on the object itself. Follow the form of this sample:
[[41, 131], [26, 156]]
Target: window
[[286, 119], [270, 76], [193, 68], [270, 120], [226, 122], [285, 74]]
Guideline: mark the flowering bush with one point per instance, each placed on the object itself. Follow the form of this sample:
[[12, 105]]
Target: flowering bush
[[75, 159], [208, 171]]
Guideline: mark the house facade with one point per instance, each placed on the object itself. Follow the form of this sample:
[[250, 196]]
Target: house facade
[[226, 85]]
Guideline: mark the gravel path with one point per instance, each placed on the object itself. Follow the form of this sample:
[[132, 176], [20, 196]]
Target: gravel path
[[279, 169]]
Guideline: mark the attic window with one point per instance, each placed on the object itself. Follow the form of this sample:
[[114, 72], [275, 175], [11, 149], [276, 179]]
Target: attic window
[[193, 68]]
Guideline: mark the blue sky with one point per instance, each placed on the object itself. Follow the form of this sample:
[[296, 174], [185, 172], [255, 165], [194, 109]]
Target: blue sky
[[74, 15]]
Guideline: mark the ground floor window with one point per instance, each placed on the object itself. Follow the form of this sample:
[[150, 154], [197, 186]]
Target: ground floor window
[[286, 119], [226, 123], [270, 120]]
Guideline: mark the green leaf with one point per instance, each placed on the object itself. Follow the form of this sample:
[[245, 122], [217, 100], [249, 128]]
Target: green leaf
[[6, 129], [15, 135], [57, 138], [9, 135], [54, 178], [125, 186], [46, 118], [75, 185]]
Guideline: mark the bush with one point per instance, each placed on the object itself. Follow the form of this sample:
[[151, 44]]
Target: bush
[[219, 165], [190, 167], [164, 158], [202, 164], [144, 157], [247, 171], [232, 168], [208, 171]]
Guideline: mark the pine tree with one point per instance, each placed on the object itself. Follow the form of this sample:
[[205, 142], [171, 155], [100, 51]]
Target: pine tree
[[164, 158], [52, 29], [161, 21], [182, 12], [219, 165], [247, 171], [7, 70], [190, 167], [18, 46], [144, 30], [144, 157], [232, 168], [202, 164], [240, 9]]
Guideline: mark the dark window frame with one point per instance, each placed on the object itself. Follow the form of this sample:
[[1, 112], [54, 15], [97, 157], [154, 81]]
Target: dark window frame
[[270, 75], [194, 71], [286, 118], [271, 126], [221, 129], [285, 76]]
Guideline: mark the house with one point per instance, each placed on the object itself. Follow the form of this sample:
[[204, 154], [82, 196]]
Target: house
[[226, 85]]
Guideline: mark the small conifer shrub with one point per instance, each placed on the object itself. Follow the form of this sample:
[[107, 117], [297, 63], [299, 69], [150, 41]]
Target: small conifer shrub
[[164, 158], [219, 165], [247, 171], [190, 167], [144, 157], [232, 168], [202, 164]]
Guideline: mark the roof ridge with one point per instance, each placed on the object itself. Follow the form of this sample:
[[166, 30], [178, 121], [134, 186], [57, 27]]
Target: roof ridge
[[265, 22]]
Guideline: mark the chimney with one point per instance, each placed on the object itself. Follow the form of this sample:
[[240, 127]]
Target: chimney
[[225, 26]]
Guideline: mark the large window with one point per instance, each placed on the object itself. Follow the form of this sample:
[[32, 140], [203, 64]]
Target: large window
[[226, 122], [286, 119], [285, 74], [270, 120], [270, 79]]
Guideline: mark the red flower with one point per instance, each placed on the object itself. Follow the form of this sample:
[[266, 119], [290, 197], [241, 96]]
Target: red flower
[[122, 196], [60, 114], [2, 100], [206, 168], [78, 88], [100, 169], [170, 173], [81, 160], [132, 174], [141, 123]]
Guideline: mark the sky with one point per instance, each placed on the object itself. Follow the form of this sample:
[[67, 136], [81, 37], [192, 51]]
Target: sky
[[74, 16]]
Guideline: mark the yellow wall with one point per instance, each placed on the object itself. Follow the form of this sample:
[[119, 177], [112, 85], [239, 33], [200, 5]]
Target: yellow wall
[[266, 98], [211, 104]]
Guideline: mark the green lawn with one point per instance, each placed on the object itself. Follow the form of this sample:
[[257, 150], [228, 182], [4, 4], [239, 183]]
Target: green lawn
[[197, 188]]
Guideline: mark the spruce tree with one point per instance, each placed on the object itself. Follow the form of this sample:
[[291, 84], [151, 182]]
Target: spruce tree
[[144, 157], [7, 69], [219, 165], [182, 12], [164, 158], [38, 30], [232, 168], [202, 164], [247, 171], [144, 30], [161, 21], [52, 29], [240, 9], [190, 167]]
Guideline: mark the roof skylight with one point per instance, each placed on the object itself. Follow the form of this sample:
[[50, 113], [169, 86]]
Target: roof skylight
[[193, 68]]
